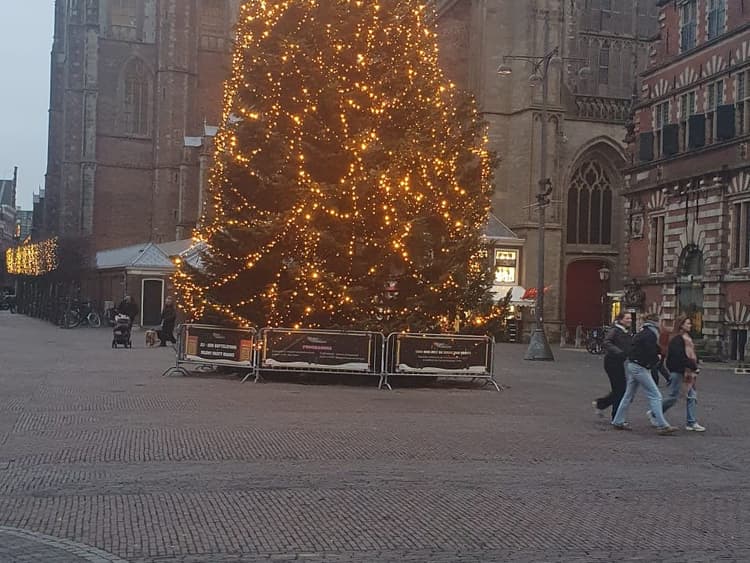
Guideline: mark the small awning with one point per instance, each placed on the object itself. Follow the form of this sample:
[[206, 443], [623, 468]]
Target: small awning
[[516, 295]]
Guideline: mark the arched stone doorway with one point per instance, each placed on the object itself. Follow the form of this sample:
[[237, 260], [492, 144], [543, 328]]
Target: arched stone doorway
[[690, 287], [584, 303]]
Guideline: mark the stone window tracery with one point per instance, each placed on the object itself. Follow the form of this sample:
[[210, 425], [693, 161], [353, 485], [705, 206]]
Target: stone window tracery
[[590, 205], [136, 99]]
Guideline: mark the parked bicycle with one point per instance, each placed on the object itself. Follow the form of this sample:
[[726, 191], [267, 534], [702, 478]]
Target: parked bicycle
[[82, 314]]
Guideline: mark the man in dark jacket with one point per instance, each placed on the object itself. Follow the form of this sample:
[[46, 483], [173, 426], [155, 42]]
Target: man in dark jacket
[[616, 347], [643, 356], [168, 316]]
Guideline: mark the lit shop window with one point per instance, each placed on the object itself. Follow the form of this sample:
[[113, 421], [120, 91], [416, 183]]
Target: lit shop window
[[506, 266]]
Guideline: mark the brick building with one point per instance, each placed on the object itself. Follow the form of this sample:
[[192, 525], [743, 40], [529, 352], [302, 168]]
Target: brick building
[[688, 195], [136, 92], [587, 117]]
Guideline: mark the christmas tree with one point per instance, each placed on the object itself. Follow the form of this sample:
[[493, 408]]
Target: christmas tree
[[351, 180]]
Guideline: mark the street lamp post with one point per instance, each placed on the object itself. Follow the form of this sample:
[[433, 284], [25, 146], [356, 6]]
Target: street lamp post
[[604, 277], [539, 348]]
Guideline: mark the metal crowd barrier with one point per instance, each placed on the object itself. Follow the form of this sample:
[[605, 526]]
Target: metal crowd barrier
[[438, 355], [334, 352], [319, 351], [202, 345]]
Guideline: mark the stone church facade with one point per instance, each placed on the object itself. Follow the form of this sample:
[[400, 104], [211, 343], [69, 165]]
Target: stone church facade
[[136, 94], [587, 126]]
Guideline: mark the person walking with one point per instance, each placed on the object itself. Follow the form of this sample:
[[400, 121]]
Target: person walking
[[128, 308], [168, 317], [617, 344], [682, 363], [643, 355]]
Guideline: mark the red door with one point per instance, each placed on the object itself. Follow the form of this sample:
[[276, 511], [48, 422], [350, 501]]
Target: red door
[[583, 299]]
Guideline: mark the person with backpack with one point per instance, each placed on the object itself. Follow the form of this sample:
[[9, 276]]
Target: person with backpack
[[643, 356], [617, 344]]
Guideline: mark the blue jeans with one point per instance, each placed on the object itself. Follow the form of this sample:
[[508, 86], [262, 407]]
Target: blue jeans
[[673, 393], [639, 376]]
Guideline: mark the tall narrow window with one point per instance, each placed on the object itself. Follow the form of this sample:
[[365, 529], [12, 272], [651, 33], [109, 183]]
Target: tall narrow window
[[662, 119], [213, 23], [743, 103], [714, 99], [688, 24], [741, 235], [717, 15], [657, 245], [136, 99], [604, 64], [687, 109], [590, 205]]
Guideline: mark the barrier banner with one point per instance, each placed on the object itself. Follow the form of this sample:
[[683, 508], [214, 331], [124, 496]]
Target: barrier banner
[[310, 350], [216, 345], [441, 354]]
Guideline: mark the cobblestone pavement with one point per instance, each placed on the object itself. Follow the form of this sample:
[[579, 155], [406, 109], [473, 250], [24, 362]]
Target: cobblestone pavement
[[102, 459]]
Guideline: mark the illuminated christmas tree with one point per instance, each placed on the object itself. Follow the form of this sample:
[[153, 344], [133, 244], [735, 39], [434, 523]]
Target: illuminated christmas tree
[[352, 180]]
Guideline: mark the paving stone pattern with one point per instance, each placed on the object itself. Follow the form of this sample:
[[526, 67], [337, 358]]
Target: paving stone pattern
[[102, 459]]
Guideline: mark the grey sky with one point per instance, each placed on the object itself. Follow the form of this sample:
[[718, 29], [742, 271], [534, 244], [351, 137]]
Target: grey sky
[[26, 30]]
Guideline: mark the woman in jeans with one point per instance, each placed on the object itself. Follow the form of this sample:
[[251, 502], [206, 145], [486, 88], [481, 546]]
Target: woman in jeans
[[682, 363]]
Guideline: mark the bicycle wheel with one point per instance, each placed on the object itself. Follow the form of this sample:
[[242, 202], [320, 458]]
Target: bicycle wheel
[[94, 319]]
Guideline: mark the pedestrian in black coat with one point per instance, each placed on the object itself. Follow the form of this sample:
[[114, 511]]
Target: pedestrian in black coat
[[617, 344], [168, 318]]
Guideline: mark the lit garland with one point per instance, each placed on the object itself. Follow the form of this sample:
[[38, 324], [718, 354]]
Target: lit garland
[[32, 259], [346, 161]]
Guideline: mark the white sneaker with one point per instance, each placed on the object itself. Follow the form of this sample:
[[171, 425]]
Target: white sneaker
[[652, 419], [695, 427]]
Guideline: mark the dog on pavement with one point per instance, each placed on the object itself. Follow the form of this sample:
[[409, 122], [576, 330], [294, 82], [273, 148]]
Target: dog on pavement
[[152, 338]]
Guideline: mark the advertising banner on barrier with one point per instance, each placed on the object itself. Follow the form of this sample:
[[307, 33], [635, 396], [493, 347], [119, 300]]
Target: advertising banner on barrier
[[216, 345], [328, 351], [441, 354]]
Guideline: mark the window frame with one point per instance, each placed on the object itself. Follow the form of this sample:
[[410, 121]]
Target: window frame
[[716, 17], [657, 239], [603, 65], [661, 118], [742, 102], [740, 235], [714, 99], [497, 252], [687, 110], [688, 9]]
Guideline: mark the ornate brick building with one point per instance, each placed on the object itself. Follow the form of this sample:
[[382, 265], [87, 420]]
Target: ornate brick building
[[136, 95], [688, 195], [587, 120]]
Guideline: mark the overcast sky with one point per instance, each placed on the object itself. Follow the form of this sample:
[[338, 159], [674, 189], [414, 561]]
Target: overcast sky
[[26, 29]]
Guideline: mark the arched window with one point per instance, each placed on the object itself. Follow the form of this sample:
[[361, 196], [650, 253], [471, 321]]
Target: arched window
[[135, 111], [590, 205]]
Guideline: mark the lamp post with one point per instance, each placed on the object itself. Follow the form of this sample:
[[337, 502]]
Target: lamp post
[[604, 278], [539, 348]]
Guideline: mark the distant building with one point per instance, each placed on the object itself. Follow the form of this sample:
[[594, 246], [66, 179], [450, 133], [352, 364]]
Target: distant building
[[8, 209], [24, 223], [136, 94], [688, 194]]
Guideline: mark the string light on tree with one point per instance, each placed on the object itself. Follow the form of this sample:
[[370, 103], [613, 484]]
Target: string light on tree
[[347, 163]]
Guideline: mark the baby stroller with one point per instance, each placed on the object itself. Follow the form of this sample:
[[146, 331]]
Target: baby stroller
[[121, 332]]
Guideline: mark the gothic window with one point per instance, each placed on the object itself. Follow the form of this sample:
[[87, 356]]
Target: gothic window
[[135, 99], [590, 205], [124, 19], [213, 23]]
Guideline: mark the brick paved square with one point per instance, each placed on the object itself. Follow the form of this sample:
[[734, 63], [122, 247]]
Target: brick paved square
[[102, 459]]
